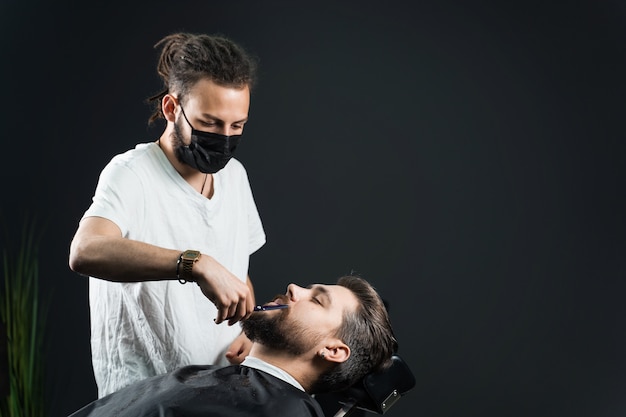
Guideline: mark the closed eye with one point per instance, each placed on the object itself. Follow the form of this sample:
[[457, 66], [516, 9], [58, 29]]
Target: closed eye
[[320, 295]]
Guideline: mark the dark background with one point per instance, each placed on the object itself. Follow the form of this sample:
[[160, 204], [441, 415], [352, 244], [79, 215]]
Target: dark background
[[465, 157]]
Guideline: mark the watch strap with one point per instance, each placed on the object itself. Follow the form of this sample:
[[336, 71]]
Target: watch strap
[[184, 265]]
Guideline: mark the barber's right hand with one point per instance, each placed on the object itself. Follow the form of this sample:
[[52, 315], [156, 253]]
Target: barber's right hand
[[231, 296]]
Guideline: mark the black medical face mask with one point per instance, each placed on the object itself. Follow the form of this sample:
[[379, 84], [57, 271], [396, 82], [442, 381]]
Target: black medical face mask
[[208, 152]]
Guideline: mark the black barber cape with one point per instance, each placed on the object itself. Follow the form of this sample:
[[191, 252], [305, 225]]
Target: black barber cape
[[205, 390]]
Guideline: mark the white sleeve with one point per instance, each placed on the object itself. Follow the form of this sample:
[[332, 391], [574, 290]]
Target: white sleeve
[[118, 197], [255, 226]]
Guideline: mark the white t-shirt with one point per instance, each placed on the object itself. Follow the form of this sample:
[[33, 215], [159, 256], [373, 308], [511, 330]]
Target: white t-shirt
[[148, 328]]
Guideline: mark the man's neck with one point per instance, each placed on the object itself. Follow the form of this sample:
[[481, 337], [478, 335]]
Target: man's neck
[[203, 183]]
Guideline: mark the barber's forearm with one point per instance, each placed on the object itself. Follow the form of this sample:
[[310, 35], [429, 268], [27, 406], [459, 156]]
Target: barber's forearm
[[122, 260]]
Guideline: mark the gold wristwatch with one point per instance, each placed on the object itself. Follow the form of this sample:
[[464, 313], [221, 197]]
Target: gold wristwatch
[[185, 265]]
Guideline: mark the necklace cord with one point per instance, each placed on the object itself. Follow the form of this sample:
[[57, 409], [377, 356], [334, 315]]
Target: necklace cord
[[204, 183]]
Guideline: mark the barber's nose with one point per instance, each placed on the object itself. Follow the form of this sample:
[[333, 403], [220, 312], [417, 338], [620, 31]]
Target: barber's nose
[[295, 292], [226, 131]]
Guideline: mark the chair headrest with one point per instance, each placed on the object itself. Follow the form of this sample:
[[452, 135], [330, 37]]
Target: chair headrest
[[378, 391]]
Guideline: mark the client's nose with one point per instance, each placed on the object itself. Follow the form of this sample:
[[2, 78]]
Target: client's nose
[[294, 292]]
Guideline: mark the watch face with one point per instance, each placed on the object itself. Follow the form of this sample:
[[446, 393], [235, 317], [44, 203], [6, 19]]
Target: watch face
[[191, 254]]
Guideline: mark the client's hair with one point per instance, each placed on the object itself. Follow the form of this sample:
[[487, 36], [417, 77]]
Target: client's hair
[[368, 333]]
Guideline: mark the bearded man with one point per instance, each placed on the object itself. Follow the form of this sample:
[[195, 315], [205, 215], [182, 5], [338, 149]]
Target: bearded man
[[318, 339]]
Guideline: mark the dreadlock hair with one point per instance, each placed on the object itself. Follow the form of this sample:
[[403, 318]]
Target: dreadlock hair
[[187, 58]]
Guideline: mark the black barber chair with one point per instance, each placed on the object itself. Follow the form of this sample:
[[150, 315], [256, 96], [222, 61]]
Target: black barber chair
[[375, 393]]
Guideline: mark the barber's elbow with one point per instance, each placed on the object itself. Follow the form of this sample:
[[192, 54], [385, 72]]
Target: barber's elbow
[[78, 257]]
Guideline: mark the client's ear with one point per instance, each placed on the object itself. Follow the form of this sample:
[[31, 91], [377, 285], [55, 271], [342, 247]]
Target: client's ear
[[336, 351]]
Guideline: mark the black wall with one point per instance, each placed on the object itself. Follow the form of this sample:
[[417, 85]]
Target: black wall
[[465, 157]]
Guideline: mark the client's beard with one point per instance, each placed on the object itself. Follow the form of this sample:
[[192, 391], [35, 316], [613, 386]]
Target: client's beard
[[274, 332]]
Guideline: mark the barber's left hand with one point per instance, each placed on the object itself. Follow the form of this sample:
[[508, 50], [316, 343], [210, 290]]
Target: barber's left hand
[[239, 349]]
